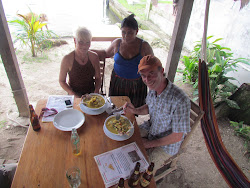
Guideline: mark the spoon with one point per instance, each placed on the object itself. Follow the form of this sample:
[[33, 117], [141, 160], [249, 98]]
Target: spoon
[[117, 116]]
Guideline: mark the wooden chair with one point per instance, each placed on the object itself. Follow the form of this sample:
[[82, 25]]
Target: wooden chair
[[170, 165], [102, 71]]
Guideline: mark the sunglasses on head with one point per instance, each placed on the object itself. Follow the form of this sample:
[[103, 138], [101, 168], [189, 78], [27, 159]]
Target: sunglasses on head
[[50, 112]]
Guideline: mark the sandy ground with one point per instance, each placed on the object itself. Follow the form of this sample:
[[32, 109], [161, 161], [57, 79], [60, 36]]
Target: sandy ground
[[40, 76]]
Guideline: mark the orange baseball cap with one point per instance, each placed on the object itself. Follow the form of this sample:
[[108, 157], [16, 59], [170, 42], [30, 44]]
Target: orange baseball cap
[[149, 62]]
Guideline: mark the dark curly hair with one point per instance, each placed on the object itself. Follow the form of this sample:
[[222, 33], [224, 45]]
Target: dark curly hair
[[130, 22]]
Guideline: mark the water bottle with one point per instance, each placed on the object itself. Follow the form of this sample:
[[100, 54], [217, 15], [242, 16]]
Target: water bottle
[[75, 142]]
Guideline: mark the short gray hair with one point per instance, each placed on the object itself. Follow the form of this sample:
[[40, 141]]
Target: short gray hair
[[83, 33]]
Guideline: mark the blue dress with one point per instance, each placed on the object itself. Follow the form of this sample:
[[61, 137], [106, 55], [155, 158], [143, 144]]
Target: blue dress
[[125, 81]]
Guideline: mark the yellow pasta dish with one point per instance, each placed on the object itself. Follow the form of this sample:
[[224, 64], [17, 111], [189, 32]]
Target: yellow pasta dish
[[118, 127], [93, 101]]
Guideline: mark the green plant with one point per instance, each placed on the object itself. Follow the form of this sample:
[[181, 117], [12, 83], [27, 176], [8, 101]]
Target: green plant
[[30, 33], [242, 130], [220, 61], [2, 123], [137, 9], [26, 58], [165, 2]]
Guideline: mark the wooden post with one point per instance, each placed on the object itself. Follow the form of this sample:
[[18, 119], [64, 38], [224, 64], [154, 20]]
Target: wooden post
[[11, 66], [178, 36], [154, 2], [147, 9]]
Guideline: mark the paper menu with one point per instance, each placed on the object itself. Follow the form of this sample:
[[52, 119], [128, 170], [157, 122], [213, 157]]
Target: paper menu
[[119, 163], [57, 102]]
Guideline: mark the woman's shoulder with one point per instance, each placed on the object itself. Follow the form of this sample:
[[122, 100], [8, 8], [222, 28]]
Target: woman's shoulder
[[69, 56], [92, 55], [116, 42], [144, 42], [68, 59], [146, 49]]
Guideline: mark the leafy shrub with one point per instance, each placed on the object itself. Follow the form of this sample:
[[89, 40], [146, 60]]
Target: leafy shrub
[[220, 61], [137, 9], [30, 33], [242, 130]]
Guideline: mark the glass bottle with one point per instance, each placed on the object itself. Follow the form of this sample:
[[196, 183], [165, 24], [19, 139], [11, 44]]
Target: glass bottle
[[75, 142], [147, 176], [135, 176], [34, 120], [121, 183]]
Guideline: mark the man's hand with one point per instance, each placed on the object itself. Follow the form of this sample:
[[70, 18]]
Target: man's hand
[[128, 107], [146, 143]]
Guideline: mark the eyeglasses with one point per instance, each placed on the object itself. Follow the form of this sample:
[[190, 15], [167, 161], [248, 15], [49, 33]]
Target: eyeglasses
[[49, 112]]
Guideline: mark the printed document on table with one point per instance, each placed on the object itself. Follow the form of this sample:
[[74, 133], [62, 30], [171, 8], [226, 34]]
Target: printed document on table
[[119, 163], [57, 102]]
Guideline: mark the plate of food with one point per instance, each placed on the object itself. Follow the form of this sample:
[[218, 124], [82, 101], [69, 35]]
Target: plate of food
[[118, 129], [93, 104], [66, 120]]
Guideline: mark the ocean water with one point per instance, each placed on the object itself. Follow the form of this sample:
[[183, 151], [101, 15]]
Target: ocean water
[[63, 15]]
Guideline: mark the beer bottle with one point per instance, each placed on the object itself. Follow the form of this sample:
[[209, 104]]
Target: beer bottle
[[135, 176], [147, 176], [34, 120], [121, 183], [75, 142]]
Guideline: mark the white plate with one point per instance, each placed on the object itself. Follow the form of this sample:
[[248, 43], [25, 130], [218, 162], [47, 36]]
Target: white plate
[[117, 137], [66, 120], [93, 112]]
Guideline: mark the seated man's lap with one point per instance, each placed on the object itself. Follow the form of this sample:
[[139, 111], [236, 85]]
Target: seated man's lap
[[156, 155]]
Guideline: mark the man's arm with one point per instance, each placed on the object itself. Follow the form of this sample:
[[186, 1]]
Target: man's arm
[[170, 139], [180, 125], [129, 107]]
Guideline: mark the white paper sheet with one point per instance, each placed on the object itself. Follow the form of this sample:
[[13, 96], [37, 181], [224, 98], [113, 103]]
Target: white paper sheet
[[119, 163], [57, 102]]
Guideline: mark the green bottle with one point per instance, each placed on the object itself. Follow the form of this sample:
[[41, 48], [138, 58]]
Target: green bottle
[[134, 178], [121, 183], [147, 176], [75, 142]]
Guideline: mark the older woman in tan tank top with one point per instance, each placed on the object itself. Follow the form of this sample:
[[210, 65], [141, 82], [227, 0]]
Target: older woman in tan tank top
[[82, 66]]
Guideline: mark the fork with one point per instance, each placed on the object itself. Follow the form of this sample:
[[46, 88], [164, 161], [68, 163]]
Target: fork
[[112, 104]]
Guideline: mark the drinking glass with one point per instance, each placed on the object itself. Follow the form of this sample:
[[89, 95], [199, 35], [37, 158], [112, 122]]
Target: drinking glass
[[73, 175]]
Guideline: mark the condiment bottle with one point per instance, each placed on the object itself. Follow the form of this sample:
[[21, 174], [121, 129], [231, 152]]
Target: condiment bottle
[[147, 176], [135, 176], [75, 142], [121, 183], [34, 120]]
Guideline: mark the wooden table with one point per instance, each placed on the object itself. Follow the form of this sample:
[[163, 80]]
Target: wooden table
[[47, 154]]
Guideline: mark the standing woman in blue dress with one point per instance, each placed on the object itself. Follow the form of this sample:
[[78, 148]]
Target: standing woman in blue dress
[[127, 52]]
